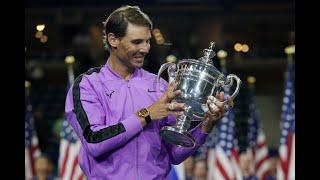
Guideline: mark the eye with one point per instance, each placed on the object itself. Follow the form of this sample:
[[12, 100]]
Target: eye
[[136, 41]]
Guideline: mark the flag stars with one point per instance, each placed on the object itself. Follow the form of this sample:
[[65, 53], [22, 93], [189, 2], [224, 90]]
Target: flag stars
[[286, 125], [288, 92], [284, 132], [228, 152], [289, 84], [74, 135], [284, 107], [223, 143], [223, 135], [224, 120], [289, 117], [223, 127], [68, 130]]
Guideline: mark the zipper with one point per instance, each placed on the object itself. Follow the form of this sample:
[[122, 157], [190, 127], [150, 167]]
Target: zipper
[[137, 160], [137, 152], [128, 86]]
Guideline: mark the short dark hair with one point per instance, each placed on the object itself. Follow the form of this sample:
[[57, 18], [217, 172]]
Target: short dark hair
[[117, 22]]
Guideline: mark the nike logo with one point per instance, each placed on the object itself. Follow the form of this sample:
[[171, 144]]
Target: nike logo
[[110, 94], [151, 90]]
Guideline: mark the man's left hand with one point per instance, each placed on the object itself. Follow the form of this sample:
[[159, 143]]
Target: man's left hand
[[216, 111]]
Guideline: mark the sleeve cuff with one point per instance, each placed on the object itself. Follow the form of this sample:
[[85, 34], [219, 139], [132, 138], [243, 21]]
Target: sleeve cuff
[[199, 136]]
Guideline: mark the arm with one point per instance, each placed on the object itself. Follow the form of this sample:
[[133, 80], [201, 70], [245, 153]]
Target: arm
[[200, 132], [86, 115], [179, 154]]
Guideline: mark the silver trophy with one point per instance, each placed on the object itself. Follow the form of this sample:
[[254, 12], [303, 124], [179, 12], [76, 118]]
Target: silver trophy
[[197, 79]]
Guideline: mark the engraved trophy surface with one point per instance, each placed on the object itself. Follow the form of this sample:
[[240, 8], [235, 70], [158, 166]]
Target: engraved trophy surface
[[197, 79]]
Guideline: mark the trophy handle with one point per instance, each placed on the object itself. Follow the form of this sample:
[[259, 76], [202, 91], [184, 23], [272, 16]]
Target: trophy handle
[[171, 70], [229, 82], [226, 84]]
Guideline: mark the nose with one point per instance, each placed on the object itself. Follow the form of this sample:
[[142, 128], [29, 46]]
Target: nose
[[145, 48]]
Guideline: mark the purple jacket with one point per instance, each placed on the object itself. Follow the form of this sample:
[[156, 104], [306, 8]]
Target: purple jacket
[[101, 107]]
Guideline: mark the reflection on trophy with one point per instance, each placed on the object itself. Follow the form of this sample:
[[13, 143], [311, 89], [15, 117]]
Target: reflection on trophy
[[197, 79]]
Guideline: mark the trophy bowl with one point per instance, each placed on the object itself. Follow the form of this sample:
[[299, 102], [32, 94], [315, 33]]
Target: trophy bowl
[[196, 79]]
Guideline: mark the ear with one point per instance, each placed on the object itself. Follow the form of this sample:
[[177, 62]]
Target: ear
[[113, 40]]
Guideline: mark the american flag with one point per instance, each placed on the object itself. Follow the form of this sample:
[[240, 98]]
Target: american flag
[[211, 144], [226, 157], [69, 168], [70, 144], [286, 167], [32, 149], [257, 142], [223, 158]]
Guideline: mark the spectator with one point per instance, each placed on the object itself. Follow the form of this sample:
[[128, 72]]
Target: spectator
[[43, 168], [246, 168], [188, 167], [200, 169]]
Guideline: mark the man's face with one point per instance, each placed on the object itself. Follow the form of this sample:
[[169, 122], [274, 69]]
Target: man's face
[[134, 46], [273, 163], [41, 165], [188, 164], [200, 170], [245, 162]]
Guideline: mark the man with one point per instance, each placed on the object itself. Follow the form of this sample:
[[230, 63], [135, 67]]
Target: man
[[43, 168], [200, 169], [117, 110], [189, 167], [245, 166]]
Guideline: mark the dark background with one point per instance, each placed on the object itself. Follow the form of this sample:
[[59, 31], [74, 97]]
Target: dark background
[[188, 27]]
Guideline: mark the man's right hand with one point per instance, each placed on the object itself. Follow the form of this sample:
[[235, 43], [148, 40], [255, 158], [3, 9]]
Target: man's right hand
[[164, 107]]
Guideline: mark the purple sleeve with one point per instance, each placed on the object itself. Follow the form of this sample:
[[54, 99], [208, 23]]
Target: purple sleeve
[[97, 134], [179, 154]]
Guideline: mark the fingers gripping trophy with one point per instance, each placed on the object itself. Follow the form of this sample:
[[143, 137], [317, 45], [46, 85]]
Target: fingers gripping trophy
[[197, 79]]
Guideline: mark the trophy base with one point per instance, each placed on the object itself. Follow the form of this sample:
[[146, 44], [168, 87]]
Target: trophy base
[[177, 136]]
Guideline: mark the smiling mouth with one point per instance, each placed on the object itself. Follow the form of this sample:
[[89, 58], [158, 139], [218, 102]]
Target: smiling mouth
[[138, 57]]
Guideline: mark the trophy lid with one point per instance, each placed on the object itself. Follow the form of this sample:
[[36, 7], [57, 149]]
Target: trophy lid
[[208, 54], [205, 60]]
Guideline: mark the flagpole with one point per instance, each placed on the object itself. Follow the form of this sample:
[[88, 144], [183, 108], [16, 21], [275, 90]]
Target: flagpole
[[290, 51], [27, 86], [251, 83], [222, 57], [251, 80], [69, 143], [288, 118], [234, 156], [69, 60]]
